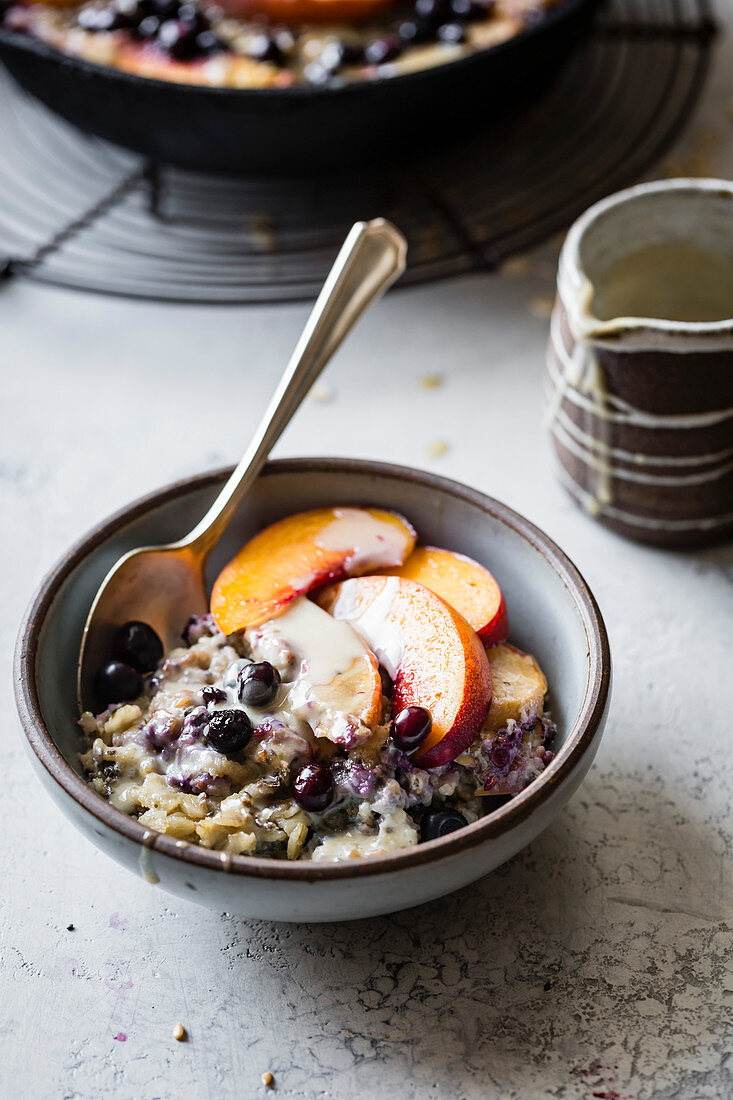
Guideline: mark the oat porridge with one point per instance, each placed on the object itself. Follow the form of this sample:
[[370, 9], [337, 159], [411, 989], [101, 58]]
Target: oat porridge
[[349, 694], [272, 43]]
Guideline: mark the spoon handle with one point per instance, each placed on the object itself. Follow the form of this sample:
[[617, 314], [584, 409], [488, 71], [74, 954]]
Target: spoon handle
[[371, 258]]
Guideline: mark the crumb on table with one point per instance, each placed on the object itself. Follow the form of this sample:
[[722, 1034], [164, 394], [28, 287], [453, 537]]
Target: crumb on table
[[179, 1032], [267, 1080]]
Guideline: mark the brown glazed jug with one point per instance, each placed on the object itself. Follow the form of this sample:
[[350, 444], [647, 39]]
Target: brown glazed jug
[[640, 362]]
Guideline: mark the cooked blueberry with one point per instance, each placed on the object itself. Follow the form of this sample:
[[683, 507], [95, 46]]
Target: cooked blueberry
[[435, 11], [500, 754], [138, 645], [208, 43], [258, 684], [117, 682], [178, 39], [102, 19], [414, 31], [466, 11], [263, 47], [410, 728], [213, 695], [189, 13], [440, 823], [381, 50], [229, 731], [451, 34], [337, 53], [133, 11], [313, 787], [149, 26], [317, 74]]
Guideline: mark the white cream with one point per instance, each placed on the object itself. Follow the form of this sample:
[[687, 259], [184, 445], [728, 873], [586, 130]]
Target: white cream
[[396, 830], [367, 542], [328, 673], [371, 620]]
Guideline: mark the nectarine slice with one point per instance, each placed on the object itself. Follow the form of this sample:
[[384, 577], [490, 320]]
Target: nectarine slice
[[462, 583], [307, 11], [301, 552], [434, 657], [519, 687]]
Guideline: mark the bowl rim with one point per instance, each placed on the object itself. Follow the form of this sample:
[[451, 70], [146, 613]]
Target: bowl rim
[[555, 14], [494, 824]]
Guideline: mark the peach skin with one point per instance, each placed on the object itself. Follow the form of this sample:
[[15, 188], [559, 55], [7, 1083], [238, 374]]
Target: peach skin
[[434, 657]]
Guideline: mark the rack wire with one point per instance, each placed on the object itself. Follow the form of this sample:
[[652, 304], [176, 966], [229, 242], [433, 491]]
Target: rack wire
[[79, 213]]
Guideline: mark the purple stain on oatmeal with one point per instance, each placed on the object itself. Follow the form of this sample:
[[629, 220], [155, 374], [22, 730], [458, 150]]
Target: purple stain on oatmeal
[[216, 786], [197, 627], [162, 732]]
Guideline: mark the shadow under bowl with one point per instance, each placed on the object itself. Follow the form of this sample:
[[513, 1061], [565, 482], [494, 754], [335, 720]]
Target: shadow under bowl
[[552, 613]]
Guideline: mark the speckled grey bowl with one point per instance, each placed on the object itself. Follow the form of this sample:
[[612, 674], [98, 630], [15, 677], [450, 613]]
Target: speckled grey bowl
[[551, 612]]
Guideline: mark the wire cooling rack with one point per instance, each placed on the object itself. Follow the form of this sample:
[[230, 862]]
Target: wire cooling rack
[[78, 213]]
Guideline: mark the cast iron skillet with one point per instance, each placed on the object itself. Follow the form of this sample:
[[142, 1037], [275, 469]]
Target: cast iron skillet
[[294, 129]]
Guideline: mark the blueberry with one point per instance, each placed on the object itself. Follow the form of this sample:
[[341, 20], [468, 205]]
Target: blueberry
[[435, 11], [381, 50], [207, 43], [441, 822], [213, 695], [337, 53], [149, 26], [102, 19], [178, 39], [263, 47], [258, 684], [117, 682], [410, 728], [229, 731], [189, 13], [451, 34], [466, 11], [138, 645], [313, 787], [414, 31]]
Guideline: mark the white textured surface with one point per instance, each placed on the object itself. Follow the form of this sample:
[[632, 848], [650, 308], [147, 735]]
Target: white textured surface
[[593, 965]]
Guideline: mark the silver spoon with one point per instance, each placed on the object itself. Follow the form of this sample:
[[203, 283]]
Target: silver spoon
[[164, 585]]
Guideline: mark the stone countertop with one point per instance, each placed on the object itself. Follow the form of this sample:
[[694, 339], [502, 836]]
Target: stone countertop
[[594, 964]]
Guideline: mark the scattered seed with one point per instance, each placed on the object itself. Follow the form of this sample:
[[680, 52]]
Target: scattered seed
[[321, 393], [541, 307], [70, 928], [431, 381], [267, 1080], [437, 448]]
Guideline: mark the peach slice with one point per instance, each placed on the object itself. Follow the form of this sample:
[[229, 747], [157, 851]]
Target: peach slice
[[519, 687], [302, 552], [462, 583], [433, 656], [307, 11]]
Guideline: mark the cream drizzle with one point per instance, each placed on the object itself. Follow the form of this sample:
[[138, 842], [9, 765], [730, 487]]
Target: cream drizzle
[[367, 542], [590, 505]]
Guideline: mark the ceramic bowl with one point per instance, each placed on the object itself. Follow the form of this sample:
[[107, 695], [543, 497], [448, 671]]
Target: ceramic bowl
[[641, 409], [552, 613]]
